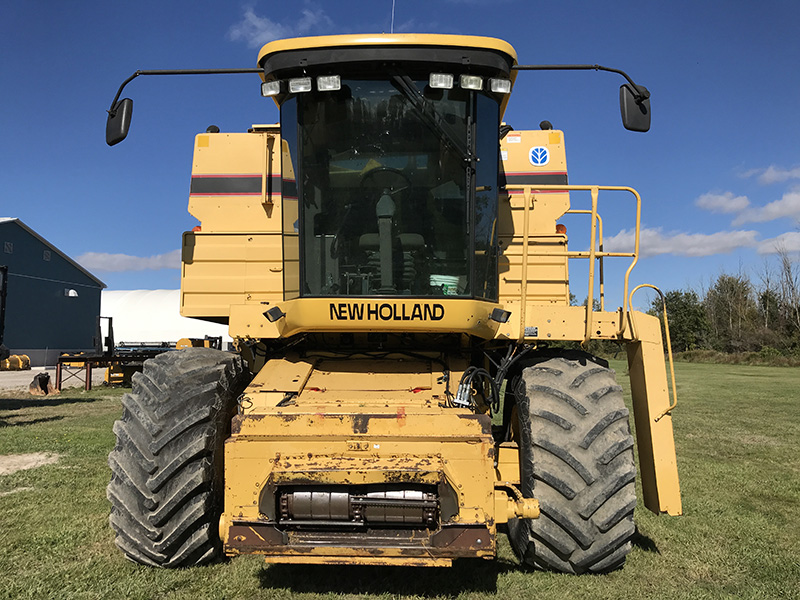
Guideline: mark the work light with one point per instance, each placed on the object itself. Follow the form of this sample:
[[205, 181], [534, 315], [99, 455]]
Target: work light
[[270, 88], [443, 81], [471, 82], [329, 83], [300, 84], [500, 86]]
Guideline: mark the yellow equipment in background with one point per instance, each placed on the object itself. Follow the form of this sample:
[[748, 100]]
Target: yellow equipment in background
[[16, 362], [411, 377], [206, 342]]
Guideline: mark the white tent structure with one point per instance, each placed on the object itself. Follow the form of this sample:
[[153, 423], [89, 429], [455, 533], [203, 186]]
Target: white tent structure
[[153, 316]]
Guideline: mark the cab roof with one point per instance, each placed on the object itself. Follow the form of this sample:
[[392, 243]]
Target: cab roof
[[468, 44], [485, 56]]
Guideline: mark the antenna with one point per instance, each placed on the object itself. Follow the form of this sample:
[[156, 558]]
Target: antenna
[[392, 31]]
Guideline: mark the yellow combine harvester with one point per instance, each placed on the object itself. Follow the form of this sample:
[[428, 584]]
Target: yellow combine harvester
[[390, 261]]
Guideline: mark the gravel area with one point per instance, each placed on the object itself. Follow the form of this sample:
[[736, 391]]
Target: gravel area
[[20, 380]]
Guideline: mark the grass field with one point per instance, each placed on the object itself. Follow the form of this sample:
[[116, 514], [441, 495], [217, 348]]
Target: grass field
[[738, 439]]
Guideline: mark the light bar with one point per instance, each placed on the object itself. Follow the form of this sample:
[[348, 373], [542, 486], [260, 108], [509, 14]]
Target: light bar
[[301, 84], [329, 83], [443, 81], [500, 86], [471, 82], [270, 88]]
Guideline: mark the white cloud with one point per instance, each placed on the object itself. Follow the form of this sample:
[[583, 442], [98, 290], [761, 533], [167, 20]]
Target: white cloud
[[773, 174], [722, 203], [787, 206], [116, 263], [257, 31], [789, 241], [653, 242], [414, 26]]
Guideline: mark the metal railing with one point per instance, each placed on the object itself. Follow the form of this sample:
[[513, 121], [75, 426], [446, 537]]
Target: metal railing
[[595, 254]]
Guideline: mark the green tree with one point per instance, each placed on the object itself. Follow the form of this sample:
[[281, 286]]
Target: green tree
[[689, 328], [732, 314]]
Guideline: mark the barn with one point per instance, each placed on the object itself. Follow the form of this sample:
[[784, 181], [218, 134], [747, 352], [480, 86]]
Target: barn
[[49, 304]]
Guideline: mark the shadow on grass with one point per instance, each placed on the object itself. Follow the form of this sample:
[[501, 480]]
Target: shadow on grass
[[644, 543], [466, 575], [17, 403], [4, 423]]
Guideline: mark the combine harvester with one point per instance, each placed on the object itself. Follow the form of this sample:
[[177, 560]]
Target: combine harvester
[[409, 379]]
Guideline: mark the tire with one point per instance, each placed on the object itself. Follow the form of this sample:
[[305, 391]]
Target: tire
[[576, 458], [167, 465]]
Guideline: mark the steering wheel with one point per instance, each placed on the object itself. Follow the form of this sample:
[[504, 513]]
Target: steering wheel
[[382, 177]]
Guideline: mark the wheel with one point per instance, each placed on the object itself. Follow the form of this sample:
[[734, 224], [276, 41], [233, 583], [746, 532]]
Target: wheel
[[576, 457], [167, 464]]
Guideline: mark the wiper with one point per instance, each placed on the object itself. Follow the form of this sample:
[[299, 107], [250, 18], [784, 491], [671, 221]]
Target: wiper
[[430, 117]]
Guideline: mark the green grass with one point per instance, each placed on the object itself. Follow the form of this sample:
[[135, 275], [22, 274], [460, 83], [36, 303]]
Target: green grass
[[767, 357], [737, 431]]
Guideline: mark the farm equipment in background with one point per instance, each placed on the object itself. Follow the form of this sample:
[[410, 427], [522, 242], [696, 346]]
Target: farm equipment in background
[[129, 357], [15, 362], [410, 378], [204, 342], [8, 361], [121, 360], [121, 373]]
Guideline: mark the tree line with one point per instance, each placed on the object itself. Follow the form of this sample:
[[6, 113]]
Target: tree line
[[736, 314]]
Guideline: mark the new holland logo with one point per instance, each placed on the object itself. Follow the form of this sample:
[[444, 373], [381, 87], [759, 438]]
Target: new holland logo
[[539, 156], [347, 311]]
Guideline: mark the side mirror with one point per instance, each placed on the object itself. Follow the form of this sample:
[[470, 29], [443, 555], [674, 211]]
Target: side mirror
[[119, 121], [635, 107]]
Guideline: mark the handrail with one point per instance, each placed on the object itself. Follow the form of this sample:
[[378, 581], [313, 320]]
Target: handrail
[[592, 255], [600, 254], [529, 193], [669, 344]]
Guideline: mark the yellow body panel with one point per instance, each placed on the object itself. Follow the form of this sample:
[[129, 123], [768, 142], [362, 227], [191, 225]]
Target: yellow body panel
[[547, 271], [396, 433], [220, 270], [236, 182], [654, 438]]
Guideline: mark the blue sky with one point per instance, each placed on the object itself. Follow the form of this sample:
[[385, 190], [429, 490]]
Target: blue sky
[[719, 171]]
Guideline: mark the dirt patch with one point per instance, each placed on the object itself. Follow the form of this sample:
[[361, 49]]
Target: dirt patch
[[759, 440], [15, 490], [11, 463]]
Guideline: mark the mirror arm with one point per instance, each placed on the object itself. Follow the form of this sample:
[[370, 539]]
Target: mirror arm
[[640, 93], [111, 110]]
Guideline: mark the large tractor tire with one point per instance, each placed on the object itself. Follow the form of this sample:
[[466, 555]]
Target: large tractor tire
[[167, 465], [576, 457]]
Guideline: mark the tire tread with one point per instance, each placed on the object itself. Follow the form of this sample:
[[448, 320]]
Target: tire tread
[[582, 474], [166, 466]]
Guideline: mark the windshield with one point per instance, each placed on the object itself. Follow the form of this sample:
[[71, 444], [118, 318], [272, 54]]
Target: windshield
[[386, 178]]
